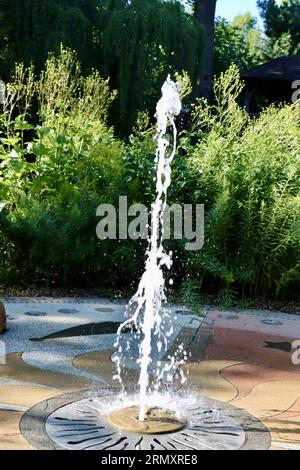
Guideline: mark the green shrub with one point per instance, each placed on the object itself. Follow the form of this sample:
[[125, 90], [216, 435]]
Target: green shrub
[[249, 179], [53, 182], [55, 172]]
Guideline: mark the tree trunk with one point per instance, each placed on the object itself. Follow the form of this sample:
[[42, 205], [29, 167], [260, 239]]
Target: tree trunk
[[205, 11]]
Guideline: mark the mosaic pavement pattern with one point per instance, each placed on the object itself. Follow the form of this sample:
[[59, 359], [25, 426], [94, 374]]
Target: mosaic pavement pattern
[[56, 348]]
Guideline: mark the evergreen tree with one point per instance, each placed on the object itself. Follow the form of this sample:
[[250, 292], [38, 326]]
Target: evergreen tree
[[282, 23], [239, 42]]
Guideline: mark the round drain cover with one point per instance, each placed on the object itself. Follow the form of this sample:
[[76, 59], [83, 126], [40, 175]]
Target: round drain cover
[[229, 317], [272, 322], [79, 421], [68, 311], [35, 313], [104, 309]]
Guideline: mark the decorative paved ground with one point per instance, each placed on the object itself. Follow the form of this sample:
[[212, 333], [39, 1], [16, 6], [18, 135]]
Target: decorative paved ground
[[56, 348]]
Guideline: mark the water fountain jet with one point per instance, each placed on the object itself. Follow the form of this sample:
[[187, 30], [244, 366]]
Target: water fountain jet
[[104, 419], [149, 313]]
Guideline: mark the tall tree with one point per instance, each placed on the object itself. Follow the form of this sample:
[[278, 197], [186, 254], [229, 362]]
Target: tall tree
[[135, 43], [140, 42], [239, 42], [204, 12], [282, 22], [29, 29]]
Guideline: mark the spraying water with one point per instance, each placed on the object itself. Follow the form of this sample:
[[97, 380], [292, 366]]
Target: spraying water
[[147, 303]]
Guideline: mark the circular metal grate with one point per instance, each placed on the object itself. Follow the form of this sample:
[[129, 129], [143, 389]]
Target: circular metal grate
[[77, 422], [272, 322], [68, 311]]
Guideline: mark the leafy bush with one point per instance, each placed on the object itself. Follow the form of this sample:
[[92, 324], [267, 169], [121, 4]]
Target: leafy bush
[[56, 171], [249, 179]]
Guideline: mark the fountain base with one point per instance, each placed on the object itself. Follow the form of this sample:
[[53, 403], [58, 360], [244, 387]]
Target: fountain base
[[157, 421], [79, 421]]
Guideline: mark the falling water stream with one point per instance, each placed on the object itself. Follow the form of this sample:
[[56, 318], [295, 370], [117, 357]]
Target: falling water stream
[[147, 304]]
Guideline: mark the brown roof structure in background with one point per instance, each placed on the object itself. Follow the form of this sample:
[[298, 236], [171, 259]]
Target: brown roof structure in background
[[281, 68]]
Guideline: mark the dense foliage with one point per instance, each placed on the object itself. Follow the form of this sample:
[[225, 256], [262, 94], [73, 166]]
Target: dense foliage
[[32, 28], [282, 22], [139, 43], [248, 176], [241, 42], [134, 43], [55, 173]]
